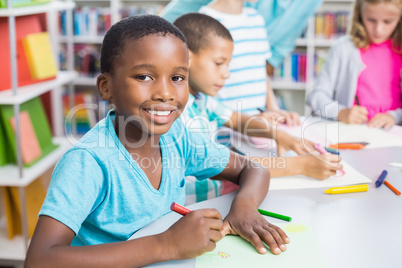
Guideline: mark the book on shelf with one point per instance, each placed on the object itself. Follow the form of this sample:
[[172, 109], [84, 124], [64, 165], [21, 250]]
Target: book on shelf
[[38, 51], [293, 69], [40, 125], [96, 21], [24, 25], [85, 112], [35, 194], [331, 25], [87, 60], [30, 148]]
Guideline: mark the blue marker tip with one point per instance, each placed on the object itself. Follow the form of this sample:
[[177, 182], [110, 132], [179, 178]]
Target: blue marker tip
[[381, 178]]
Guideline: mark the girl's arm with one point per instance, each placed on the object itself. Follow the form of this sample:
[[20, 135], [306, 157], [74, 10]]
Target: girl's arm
[[243, 218], [50, 245], [321, 99]]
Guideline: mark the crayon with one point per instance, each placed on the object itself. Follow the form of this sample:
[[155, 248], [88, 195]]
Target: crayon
[[347, 189], [332, 151], [381, 179], [179, 209], [357, 100], [274, 215], [355, 146], [389, 185], [320, 149]]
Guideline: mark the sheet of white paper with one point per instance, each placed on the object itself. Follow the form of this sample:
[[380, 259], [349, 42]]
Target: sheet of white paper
[[335, 132], [349, 177]]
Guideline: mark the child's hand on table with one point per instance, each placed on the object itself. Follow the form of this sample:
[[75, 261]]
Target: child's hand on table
[[320, 166], [286, 142], [282, 117], [383, 120], [245, 220], [194, 234], [355, 115]]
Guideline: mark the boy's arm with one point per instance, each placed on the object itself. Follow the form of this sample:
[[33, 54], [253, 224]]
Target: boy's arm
[[243, 218], [50, 245], [315, 166], [176, 8], [258, 126]]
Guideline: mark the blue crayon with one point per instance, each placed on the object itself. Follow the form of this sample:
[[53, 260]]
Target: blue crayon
[[381, 178], [332, 151]]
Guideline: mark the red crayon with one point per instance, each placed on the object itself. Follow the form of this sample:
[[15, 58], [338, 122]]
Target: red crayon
[[179, 209]]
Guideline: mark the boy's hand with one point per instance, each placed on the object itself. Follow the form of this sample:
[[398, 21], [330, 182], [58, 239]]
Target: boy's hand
[[286, 142], [382, 120], [354, 115], [247, 222], [320, 166], [194, 234], [282, 117]]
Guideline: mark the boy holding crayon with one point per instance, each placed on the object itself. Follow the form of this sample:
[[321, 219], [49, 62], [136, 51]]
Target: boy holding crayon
[[102, 190]]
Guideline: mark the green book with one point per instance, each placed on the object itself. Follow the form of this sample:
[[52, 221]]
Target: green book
[[23, 3], [40, 124]]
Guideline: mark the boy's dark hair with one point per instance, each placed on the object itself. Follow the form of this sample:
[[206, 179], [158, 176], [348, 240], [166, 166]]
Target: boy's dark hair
[[199, 29], [131, 29]]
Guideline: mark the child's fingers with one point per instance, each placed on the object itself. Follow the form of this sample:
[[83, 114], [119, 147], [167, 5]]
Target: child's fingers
[[282, 233], [255, 240], [210, 213], [215, 235], [214, 224]]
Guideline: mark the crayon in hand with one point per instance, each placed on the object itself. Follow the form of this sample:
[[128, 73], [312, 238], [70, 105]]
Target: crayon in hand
[[179, 209]]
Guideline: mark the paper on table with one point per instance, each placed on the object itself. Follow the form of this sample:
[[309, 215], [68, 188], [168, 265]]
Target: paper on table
[[337, 132], [350, 177], [234, 251]]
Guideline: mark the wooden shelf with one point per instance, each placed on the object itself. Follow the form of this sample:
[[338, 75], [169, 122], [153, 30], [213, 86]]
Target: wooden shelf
[[37, 9], [9, 173], [26, 93]]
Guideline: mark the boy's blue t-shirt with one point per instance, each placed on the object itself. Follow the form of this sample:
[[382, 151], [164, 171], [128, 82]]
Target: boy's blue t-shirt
[[99, 191]]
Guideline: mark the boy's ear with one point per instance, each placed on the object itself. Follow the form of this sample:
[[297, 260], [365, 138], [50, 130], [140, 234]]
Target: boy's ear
[[102, 84]]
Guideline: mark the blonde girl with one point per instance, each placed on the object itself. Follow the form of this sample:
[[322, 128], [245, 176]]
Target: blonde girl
[[361, 80]]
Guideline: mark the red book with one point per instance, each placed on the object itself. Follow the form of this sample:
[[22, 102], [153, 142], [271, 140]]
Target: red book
[[24, 25]]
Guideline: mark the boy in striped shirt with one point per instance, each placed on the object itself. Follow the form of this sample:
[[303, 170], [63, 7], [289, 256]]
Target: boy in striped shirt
[[210, 47]]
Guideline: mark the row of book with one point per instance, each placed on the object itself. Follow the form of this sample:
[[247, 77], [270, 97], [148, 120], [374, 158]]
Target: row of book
[[95, 21], [294, 67], [88, 109], [86, 59], [331, 25]]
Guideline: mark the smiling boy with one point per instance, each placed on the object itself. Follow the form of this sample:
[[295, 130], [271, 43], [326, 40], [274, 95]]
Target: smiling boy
[[100, 195]]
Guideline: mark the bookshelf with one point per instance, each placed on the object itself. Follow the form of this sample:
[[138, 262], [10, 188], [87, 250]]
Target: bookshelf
[[292, 92], [12, 252]]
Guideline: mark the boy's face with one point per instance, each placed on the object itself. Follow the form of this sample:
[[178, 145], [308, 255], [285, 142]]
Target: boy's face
[[209, 68], [149, 85]]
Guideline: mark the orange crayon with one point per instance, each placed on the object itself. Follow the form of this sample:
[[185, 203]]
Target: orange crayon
[[392, 188]]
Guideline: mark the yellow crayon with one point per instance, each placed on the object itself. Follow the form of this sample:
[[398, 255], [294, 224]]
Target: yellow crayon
[[347, 189]]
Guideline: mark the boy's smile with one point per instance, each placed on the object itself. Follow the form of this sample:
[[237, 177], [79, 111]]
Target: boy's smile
[[148, 84]]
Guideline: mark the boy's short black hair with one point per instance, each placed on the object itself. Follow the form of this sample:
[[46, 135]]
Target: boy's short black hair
[[199, 29], [131, 29]]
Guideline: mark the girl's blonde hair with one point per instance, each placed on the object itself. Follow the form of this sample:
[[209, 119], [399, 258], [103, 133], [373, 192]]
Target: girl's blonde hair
[[358, 31]]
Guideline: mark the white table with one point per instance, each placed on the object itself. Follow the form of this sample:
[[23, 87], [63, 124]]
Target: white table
[[352, 230]]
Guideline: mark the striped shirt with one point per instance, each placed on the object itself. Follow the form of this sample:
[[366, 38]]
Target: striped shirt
[[245, 91], [204, 114]]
